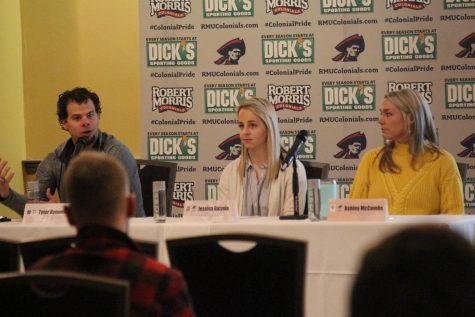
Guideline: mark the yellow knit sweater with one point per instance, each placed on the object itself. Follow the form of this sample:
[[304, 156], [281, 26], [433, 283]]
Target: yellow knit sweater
[[435, 188]]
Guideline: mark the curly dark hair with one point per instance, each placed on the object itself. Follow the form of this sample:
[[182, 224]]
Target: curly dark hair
[[79, 95]]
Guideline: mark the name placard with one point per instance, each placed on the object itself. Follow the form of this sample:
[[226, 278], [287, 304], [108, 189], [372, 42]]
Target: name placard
[[45, 213], [358, 210], [210, 210]]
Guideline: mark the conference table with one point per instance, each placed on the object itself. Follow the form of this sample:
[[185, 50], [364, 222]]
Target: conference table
[[334, 249]]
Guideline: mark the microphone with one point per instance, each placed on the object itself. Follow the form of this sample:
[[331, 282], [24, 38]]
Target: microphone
[[80, 144], [299, 141]]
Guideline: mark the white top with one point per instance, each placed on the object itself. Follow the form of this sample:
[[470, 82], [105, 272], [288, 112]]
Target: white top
[[281, 200]]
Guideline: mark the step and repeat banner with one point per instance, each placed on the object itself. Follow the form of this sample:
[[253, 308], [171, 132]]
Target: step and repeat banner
[[324, 64]]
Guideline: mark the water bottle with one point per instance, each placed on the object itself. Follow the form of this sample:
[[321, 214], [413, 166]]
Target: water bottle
[[159, 201], [328, 191], [313, 199], [32, 191]]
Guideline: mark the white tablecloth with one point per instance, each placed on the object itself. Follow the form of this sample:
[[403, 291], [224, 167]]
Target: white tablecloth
[[333, 254]]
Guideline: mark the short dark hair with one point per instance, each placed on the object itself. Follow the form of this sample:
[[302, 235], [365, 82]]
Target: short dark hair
[[79, 95], [421, 271], [95, 185]]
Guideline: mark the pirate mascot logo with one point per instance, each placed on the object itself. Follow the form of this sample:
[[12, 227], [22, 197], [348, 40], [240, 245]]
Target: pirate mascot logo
[[231, 148], [468, 44], [469, 144], [351, 146], [231, 52], [350, 48]]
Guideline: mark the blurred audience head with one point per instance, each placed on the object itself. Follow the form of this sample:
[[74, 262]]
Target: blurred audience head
[[97, 187], [420, 271]]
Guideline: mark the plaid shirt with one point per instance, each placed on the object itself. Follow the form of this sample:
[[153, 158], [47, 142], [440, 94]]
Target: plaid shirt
[[155, 290]]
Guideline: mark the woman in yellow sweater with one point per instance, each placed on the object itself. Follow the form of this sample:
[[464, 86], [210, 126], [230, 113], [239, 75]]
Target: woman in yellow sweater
[[410, 170]]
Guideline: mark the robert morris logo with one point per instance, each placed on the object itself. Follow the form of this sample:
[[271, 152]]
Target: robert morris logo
[[173, 146], [288, 49], [469, 144], [348, 95], [409, 45], [350, 48], [225, 98], [172, 51], [351, 146], [228, 8], [307, 151], [460, 93], [231, 52], [286, 6], [176, 99], [230, 148], [468, 44], [459, 4], [292, 97], [424, 88], [346, 6], [173, 8], [409, 4], [182, 191]]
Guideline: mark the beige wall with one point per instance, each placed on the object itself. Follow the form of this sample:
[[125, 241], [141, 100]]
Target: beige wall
[[80, 43], [12, 139], [65, 44]]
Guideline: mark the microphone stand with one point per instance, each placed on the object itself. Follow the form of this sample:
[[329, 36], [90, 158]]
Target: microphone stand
[[295, 191]]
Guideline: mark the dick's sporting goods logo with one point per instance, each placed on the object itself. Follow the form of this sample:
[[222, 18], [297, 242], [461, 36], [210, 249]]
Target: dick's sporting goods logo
[[460, 93], [292, 97], [469, 193], [230, 148], [173, 8], [286, 6], [224, 98], [409, 4], [409, 45], [346, 6], [348, 95], [424, 88], [288, 49], [307, 151], [344, 185], [173, 146], [172, 51], [228, 8], [183, 191], [176, 99], [459, 4], [211, 189]]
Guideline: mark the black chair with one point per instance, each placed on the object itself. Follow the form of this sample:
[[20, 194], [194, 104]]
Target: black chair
[[150, 171], [266, 280], [148, 247], [9, 256], [315, 170], [462, 167], [34, 250], [47, 293]]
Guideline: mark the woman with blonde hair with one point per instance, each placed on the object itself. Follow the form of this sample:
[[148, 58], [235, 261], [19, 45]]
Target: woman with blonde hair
[[254, 179], [410, 170]]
